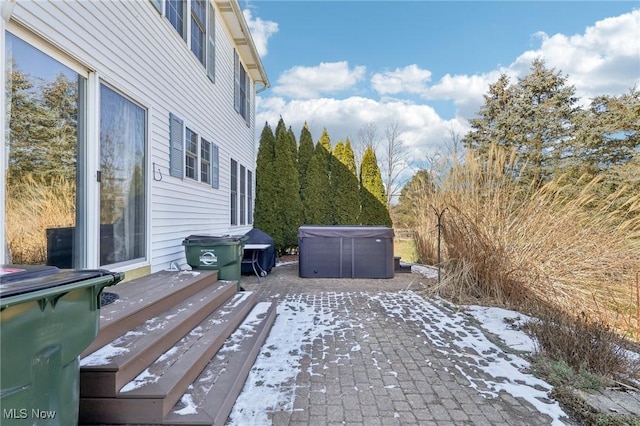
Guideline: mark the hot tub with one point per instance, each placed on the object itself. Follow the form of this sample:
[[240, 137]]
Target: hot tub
[[345, 251]]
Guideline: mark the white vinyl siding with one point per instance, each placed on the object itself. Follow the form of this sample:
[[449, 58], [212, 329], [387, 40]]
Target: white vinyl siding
[[131, 47]]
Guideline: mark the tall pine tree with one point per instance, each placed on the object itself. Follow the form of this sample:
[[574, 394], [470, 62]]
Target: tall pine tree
[[316, 192], [344, 186], [288, 207], [372, 197], [265, 216], [305, 152], [535, 116]]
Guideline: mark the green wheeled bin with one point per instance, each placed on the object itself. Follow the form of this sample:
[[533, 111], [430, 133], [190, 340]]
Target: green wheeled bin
[[48, 316], [221, 253]]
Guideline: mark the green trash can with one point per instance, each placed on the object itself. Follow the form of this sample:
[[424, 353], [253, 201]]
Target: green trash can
[[48, 317], [221, 253]]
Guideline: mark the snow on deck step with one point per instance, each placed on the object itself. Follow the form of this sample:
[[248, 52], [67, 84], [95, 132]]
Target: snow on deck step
[[209, 400], [151, 395], [145, 298], [106, 370]]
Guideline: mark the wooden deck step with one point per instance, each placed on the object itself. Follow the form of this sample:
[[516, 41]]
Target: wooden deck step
[[155, 391], [210, 399], [106, 370], [145, 298]]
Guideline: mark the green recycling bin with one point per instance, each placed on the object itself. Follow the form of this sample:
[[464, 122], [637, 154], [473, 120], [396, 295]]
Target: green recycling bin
[[221, 253], [48, 316]]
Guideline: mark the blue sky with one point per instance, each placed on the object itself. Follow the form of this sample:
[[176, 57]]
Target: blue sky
[[424, 65]]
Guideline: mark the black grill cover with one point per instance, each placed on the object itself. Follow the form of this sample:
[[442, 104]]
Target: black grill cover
[[267, 258]]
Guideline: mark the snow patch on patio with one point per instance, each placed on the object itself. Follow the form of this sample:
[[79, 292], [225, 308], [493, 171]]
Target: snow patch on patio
[[306, 323]]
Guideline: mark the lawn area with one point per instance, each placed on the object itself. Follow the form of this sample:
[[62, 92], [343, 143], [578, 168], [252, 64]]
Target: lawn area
[[406, 249]]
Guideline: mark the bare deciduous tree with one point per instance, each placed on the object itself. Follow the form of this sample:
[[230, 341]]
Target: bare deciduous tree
[[395, 161]]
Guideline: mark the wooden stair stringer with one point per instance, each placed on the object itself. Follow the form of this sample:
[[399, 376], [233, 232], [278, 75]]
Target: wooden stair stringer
[[214, 393], [102, 374], [145, 401]]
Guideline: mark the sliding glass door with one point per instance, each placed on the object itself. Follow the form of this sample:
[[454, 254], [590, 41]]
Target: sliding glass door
[[45, 103], [122, 179]]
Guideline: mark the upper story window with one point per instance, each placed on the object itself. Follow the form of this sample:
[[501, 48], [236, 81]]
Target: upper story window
[[175, 11], [242, 85], [198, 31]]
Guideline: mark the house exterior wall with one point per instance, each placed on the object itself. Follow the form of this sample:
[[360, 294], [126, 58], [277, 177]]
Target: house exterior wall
[[133, 49]]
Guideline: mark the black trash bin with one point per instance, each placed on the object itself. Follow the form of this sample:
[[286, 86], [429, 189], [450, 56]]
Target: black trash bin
[[48, 317]]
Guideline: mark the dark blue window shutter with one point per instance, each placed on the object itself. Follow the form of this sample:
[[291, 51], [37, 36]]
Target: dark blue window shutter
[[236, 80], [247, 91], [176, 141], [158, 5], [215, 167], [211, 44]]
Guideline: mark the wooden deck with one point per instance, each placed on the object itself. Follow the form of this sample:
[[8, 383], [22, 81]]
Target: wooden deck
[[164, 337]]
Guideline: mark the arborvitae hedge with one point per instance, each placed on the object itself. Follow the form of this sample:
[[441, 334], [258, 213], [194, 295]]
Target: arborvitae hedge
[[305, 152], [317, 189], [372, 197], [288, 205], [264, 217], [345, 195]]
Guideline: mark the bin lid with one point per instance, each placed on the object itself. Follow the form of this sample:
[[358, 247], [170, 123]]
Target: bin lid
[[205, 239], [20, 279], [345, 231]]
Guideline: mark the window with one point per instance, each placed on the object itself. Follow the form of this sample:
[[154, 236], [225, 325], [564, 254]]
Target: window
[[198, 29], [242, 84], [191, 154], [243, 200], [175, 12], [234, 192], [198, 32], [205, 161], [189, 151], [249, 197]]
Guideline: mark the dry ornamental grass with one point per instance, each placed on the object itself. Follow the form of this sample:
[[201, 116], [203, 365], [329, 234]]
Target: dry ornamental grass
[[557, 246]]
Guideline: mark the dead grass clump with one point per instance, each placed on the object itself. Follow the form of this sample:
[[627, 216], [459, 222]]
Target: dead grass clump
[[33, 206], [514, 245], [589, 346]]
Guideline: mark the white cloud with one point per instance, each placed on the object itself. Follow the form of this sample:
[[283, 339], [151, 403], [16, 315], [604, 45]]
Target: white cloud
[[310, 82], [410, 79], [261, 31], [605, 59], [422, 130]]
